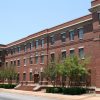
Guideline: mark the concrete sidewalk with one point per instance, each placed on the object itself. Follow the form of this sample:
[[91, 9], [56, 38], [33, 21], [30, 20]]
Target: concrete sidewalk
[[54, 96]]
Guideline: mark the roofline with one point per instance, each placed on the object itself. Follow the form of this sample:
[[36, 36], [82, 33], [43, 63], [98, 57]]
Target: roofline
[[52, 29]]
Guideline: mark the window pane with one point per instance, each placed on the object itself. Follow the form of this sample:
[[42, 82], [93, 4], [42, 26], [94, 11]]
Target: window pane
[[31, 60], [18, 62], [52, 57], [31, 76], [81, 53], [63, 37], [25, 48], [42, 43], [80, 33], [42, 59], [36, 59], [52, 40], [24, 76], [63, 55], [24, 62], [37, 43], [71, 53], [71, 33]]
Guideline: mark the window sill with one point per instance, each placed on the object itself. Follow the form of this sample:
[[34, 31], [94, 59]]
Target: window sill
[[41, 63]]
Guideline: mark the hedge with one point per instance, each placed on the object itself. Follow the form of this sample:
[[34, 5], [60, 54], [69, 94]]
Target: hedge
[[69, 91], [7, 86]]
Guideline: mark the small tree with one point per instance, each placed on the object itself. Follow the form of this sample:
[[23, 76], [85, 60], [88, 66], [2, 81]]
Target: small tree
[[76, 68], [50, 73], [9, 73]]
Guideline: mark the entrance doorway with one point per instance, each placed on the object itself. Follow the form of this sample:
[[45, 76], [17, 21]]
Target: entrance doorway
[[36, 78]]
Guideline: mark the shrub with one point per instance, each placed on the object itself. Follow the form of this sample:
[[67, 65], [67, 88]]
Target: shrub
[[69, 91], [7, 86]]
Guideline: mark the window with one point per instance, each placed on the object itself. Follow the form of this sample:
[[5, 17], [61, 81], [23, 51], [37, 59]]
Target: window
[[42, 43], [14, 50], [52, 40], [31, 45], [18, 62], [42, 58], [25, 61], [31, 76], [81, 53], [18, 78], [24, 76], [6, 64], [31, 60], [63, 37], [80, 33], [72, 52], [0, 53], [36, 59], [71, 34], [15, 63], [63, 55], [52, 57], [18, 49], [11, 62], [99, 17], [11, 51], [37, 43], [25, 48]]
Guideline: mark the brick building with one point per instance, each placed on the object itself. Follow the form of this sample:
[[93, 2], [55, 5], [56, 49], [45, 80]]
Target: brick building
[[80, 36]]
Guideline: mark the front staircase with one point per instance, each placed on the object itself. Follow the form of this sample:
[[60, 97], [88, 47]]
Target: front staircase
[[34, 87]]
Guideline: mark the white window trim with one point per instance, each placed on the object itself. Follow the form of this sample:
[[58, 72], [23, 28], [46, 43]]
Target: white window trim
[[72, 49], [62, 32], [63, 50], [52, 52], [81, 47], [79, 28]]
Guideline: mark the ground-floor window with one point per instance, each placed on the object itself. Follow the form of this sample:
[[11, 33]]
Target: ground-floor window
[[24, 76], [31, 76]]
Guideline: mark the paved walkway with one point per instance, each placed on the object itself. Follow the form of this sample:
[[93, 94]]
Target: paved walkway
[[54, 96]]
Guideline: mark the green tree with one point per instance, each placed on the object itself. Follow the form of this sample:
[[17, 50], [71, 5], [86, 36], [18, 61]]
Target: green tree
[[8, 73]]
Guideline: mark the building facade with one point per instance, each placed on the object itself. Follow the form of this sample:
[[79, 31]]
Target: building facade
[[80, 36]]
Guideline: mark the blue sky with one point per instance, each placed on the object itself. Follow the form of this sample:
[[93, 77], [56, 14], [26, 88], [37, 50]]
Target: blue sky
[[20, 18]]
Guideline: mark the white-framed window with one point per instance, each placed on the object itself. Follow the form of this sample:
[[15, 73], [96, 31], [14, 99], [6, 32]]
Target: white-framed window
[[52, 40], [42, 42], [37, 43], [31, 60], [72, 52], [25, 61], [25, 48], [71, 35], [52, 57], [36, 58], [14, 62], [24, 76], [31, 76], [80, 33], [18, 62], [63, 54], [11, 62], [42, 58], [81, 52], [99, 17], [31, 45], [6, 63], [18, 49], [63, 37]]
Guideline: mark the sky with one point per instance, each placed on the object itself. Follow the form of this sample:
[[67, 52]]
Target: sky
[[20, 18]]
